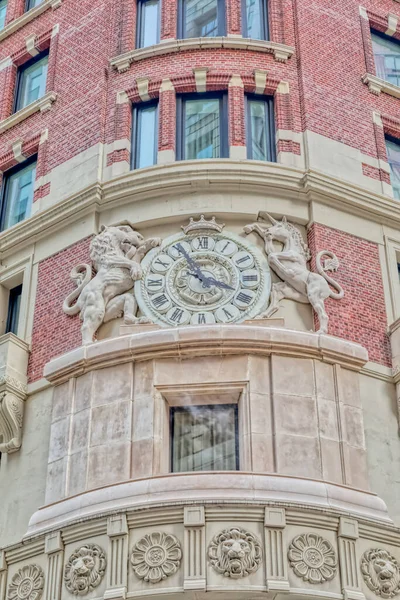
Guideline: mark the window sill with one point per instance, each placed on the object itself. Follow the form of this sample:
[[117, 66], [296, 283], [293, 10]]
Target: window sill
[[42, 105], [28, 17], [280, 51], [376, 85]]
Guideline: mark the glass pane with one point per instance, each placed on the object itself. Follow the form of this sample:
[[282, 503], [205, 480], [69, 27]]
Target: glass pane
[[204, 438], [201, 18], [33, 3], [14, 303], [146, 136], [393, 152], [258, 130], [19, 196], [32, 83], [149, 23], [202, 129], [387, 58], [3, 10], [254, 19]]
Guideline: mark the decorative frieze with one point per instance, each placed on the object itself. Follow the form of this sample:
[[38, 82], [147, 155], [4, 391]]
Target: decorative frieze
[[312, 558], [27, 584], [156, 556], [381, 572], [235, 553], [275, 549], [194, 552], [85, 569], [117, 530]]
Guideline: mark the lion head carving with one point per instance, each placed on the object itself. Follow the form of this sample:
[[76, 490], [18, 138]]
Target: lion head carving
[[235, 553], [381, 572], [115, 238], [85, 569]]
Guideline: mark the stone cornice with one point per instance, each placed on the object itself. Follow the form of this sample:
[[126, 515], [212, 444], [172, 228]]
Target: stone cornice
[[27, 17], [376, 85], [281, 52], [44, 103]]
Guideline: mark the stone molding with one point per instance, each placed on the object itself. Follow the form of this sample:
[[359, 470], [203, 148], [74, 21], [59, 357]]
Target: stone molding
[[42, 104], [376, 85], [27, 17], [281, 52]]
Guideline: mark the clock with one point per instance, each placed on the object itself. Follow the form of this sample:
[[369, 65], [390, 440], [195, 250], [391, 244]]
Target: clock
[[203, 276]]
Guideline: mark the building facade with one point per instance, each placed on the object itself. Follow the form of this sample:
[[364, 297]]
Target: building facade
[[199, 299]]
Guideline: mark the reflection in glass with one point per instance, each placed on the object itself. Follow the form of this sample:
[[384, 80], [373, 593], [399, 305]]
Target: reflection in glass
[[32, 3], [146, 136], [149, 30], [387, 58], [204, 438], [200, 18], [14, 303], [32, 83], [202, 129], [393, 153], [258, 128], [17, 201], [3, 10], [254, 20]]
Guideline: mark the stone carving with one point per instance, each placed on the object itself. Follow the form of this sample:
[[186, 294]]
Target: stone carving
[[235, 553], [156, 556], [290, 264], [381, 572], [85, 569], [11, 417], [312, 558], [27, 584], [116, 253]]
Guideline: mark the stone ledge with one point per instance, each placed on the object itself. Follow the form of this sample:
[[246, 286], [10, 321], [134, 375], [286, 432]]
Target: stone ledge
[[376, 85], [281, 52], [28, 17], [42, 105]]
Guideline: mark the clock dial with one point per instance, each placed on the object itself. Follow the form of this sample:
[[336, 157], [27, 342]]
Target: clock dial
[[203, 278]]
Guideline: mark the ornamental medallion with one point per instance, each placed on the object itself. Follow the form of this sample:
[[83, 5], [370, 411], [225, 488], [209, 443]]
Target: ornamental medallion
[[235, 553], [381, 572], [85, 569], [27, 584], [156, 556], [312, 558]]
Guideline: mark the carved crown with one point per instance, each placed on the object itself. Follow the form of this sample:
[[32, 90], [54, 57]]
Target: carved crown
[[203, 224]]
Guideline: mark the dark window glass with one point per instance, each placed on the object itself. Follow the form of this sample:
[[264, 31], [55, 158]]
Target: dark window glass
[[204, 438], [202, 127], [255, 19], [201, 18], [260, 129], [32, 3], [17, 195], [145, 138], [3, 10], [393, 154], [387, 58], [31, 82], [148, 32], [14, 303]]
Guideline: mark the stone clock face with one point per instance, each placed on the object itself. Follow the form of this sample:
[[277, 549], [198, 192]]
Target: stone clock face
[[203, 278]]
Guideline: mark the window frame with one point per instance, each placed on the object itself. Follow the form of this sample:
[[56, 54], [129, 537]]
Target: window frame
[[5, 184], [223, 122], [388, 38], [5, 16], [394, 140], [20, 71], [28, 6], [174, 409], [139, 23], [221, 16], [264, 21], [270, 106], [12, 322], [135, 129]]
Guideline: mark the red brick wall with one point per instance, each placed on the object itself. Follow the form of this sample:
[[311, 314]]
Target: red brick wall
[[361, 315]]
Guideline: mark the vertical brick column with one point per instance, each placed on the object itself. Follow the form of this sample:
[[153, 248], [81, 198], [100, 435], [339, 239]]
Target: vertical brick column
[[169, 19], [51, 71], [367, 42], [166, 123], [236, 115], [234, 18], [275, 15], [14, 10], [7, 84]]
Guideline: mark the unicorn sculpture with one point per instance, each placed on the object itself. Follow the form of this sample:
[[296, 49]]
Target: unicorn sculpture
[[290, 265]]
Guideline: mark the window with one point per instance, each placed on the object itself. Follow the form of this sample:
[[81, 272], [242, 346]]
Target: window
[[17, 194], [201, 18], [3, 11], [204, 438], [387, 57], [202, 127], [31, 81], [255, 19], [148, 20], [260, 129], [32, 3], [14, 303], [393, 154], [145, 135]]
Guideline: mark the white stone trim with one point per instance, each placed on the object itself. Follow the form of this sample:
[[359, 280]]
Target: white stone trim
[[166, 86], [288, 135], [41, 105], [122, 97], [143, 88], [238, 152], [5, 63], [281, 52], [392, 24], [283, 87], [165, 157], [260, 78], [200, 77], [235, 81], [377, 163], [363, 12], [17, 151], [44, 136], [376, 117], [56, 30], [30, 44], [376, 85], [28, 17]]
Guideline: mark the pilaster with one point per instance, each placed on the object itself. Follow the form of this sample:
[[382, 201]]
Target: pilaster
[[347, 537], [117, 574], [194, 548], [54, 548], [275, 549]]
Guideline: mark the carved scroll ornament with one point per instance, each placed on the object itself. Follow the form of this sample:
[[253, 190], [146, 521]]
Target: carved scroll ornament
[[235, 553]]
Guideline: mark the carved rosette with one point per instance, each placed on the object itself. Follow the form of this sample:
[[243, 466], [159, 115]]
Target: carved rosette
[[381, 572], [85, 569], [312, 558], [235, 553], [156, 556], [27, 584]]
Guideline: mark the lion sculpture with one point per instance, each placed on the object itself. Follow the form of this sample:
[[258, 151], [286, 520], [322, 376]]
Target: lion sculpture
[[116, 253], [85, 569], [381, 572], [235, 553]]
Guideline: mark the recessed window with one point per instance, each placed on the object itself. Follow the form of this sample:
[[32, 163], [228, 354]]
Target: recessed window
[[14, 303], [17, 194], [145, 135], [255, 19], [32, 3], [3, 11], [204, 438], [260, 129], [148, 20], [387, 57], [201, 18], [202, 127], [393, 154], [31, 81]]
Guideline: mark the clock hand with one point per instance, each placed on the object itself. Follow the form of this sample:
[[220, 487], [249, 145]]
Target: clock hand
[[221, 284], [193, 265]]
